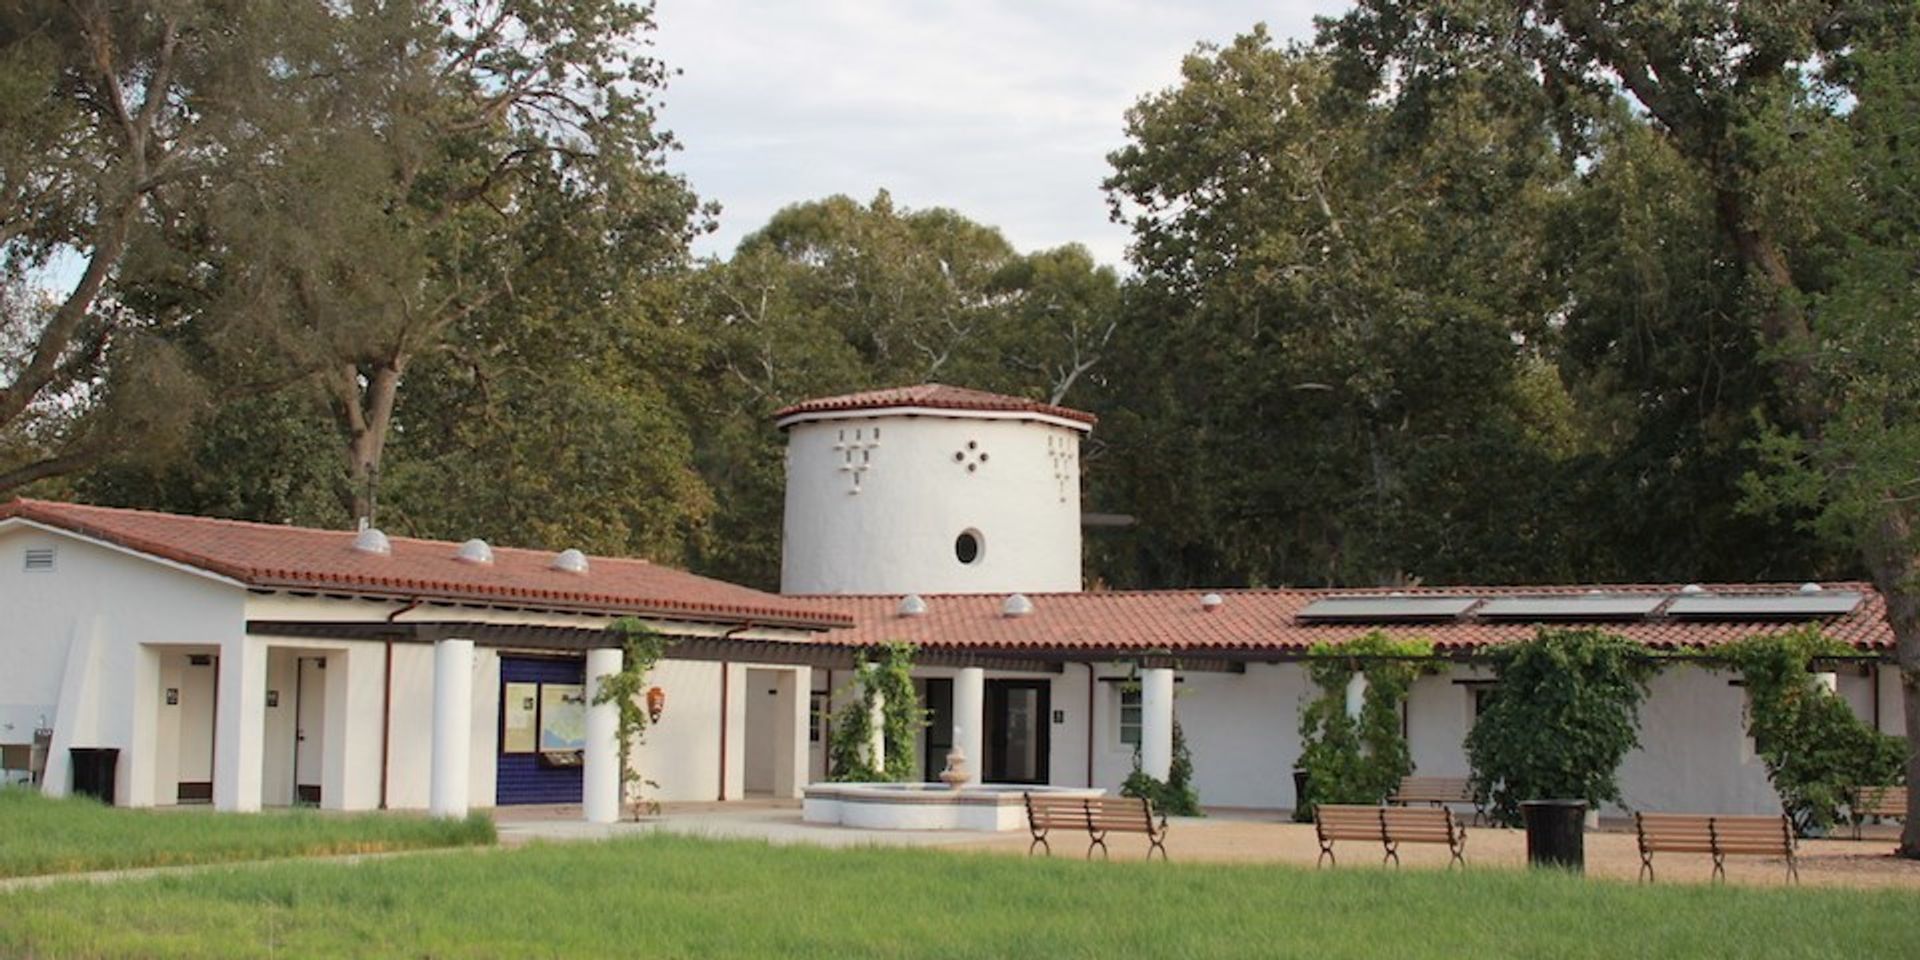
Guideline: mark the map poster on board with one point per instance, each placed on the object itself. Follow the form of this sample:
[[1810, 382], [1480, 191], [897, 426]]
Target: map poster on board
[[520, 710], [563, 716]]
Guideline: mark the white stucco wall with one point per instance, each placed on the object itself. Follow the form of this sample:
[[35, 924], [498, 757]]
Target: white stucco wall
[[914, 499], [108, 603], [1243, 730], [1694, 754]]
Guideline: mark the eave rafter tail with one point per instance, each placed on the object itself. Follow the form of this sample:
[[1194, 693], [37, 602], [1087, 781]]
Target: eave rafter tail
[[808, 653]]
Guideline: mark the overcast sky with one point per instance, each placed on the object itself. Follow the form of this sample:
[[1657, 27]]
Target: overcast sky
[[1004, 111]]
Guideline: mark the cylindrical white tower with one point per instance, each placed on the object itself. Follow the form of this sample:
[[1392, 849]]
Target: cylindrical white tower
[[931, 489]]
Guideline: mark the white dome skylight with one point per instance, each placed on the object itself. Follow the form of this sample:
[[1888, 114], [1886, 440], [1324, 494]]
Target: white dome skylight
[[372, 541], [912, 605], [569, 561], [475, 551], [1017, 605]]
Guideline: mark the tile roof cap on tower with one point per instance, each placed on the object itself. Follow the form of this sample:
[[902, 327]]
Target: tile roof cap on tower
[[269, 556], [930, 396]]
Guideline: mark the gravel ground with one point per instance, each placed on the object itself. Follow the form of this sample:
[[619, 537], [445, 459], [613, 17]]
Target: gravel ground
[[1609, 853]]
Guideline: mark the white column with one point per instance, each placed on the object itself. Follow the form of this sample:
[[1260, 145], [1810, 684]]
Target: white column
[[241, 726], [969, 718], [350, 778], [790, 732], [876, 721], [1893, 718], [1829, 680], [601, 790], [1356, 694], [452, 737], [1156, 722]]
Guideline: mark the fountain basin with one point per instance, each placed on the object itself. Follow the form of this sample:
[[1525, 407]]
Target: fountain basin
[[987, 807]]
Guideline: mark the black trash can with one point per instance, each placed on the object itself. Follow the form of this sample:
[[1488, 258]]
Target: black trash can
[[1302, 797], [1556, 833], [93, 769]]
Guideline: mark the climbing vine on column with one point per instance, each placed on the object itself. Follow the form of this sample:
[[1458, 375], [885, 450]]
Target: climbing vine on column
[[642, 648], [1817, 752], [1359, 759], [888, 674]]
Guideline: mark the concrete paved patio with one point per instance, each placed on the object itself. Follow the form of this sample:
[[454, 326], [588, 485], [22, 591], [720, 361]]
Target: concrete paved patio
[[1236, 836]]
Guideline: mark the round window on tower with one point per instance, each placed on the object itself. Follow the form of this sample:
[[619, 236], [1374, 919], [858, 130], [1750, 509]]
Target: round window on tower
[[968, 547]]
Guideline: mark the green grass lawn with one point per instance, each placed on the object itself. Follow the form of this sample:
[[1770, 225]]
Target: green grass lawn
[[683, 897], [38, 835]]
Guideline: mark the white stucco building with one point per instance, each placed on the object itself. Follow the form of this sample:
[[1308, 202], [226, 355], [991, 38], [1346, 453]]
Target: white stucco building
[[1040, 678], [195, 660]]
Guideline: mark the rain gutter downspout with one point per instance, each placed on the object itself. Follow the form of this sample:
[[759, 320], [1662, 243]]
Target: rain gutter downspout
[[386, 700], [726, 677]]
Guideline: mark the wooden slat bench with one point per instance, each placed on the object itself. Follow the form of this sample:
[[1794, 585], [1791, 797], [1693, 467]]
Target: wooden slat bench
[[1438, 792], [1389, 827], [1719, 835], [1880, 803], [1098, 816]]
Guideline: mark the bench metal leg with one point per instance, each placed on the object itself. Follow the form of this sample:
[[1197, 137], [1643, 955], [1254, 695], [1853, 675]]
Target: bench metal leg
[[1393, 855], [1099, 840], [1156, 843], [1326, 854], [1646, 867], [1720, 867], [1459, 854], [1793, 870], [1040, 842]]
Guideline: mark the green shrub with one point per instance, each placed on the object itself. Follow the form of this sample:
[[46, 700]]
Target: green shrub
[[1817, 753], [1176, 796], [1563, 713]]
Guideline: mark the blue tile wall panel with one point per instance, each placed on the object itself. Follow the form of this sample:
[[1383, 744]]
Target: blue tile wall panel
[[521, 778]]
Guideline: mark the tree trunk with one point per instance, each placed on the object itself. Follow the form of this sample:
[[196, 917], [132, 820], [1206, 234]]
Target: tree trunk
[[1894, 568], [1783, 323], [365, 411]]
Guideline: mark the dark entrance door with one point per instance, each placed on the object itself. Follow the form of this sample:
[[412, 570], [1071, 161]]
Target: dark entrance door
[[539, 700], [939, 737], [1018, 734]]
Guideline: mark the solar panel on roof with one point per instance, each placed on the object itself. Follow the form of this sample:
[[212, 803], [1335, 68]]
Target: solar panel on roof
[[1795, 606], [1386, 609], [1571, 607]]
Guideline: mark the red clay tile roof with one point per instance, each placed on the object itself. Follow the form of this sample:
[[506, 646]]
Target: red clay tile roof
[[1252, 621], [935, 396], [270, 556]]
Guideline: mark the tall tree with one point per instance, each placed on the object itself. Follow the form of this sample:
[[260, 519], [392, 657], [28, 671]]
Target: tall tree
[[113, 117], [1745, 94], [1331, 374], [418, 197], [1861, 469]]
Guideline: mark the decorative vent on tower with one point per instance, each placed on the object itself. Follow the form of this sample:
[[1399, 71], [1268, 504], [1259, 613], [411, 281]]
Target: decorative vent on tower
[[973, 458], [856, 455], [1060, 454]]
